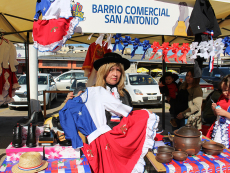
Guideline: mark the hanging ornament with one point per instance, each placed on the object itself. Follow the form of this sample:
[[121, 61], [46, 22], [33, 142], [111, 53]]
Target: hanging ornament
[[117, 38], [109, 39], [165, 48], [100, 39], [175, 49], [194, 48], [226, 42], [126, 41], [184, 49], [203, 49], [219, 46], [146, 46], [155, 46], [135, 43]]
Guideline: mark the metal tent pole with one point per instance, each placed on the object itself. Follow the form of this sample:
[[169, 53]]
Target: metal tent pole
[[27, 73], [163, 95]]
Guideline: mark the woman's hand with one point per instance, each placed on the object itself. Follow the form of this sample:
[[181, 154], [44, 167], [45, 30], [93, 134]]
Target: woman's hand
[[214, 106], [69, 96], [180, 116], [221, 112], [181, 80]]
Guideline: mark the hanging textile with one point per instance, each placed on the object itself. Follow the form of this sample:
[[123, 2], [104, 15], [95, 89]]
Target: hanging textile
[[57, 24], [95, 52], [8, 79]]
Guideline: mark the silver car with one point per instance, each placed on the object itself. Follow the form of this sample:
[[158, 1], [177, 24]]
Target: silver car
[[65, 80]]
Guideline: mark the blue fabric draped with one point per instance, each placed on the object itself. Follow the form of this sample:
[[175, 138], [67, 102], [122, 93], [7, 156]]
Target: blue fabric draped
[[135, 43], [226, 42], [146, 46], [126, 41], [117, 38]]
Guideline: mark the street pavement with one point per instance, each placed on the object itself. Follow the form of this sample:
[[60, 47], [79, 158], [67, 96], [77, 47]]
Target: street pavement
[[9, 118]]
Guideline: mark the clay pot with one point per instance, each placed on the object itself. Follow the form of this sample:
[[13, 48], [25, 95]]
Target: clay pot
[[187, 139], [164, 157], [165, 149], [212, 148], [179, 155]]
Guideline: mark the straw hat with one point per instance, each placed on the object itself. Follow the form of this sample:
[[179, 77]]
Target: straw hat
[[30, 162]]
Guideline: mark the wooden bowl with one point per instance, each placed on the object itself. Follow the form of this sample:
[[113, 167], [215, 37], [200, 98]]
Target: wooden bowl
[[164, 157], [179, 155], [165, 149], [212, 148]]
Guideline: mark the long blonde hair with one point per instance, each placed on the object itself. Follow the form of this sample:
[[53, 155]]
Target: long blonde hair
[[102, 73]]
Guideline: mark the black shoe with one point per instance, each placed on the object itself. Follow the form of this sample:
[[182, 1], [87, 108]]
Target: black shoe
[[17, 138], [56, 123], [36, 118], [31, 136]]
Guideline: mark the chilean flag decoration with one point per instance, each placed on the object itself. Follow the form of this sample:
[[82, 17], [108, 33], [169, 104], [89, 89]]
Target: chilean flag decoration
[[211, 63]]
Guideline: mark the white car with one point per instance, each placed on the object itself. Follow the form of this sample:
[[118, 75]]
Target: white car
[[143, 89], [65, 80], [45, 82]]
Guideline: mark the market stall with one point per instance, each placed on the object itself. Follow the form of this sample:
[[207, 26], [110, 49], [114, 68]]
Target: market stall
[[139, 22]]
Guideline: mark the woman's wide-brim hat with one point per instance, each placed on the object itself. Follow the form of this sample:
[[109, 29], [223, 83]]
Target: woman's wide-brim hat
[[110, 58], [174, 76], [30, 162]]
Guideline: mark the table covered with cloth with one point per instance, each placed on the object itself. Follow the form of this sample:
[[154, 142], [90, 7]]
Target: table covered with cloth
[[200, 163], [78, 165]]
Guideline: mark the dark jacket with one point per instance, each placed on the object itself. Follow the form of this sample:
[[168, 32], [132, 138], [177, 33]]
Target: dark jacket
[[125, 100], [203, 18]]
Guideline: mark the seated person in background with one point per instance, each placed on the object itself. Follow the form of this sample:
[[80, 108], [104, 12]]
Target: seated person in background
[[168, 86], [219, 131]]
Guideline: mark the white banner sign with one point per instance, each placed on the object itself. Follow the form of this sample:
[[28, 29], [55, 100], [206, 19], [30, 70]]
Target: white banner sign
[[134, 17]]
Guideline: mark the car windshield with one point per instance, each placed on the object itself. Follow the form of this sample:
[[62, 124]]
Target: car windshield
[[142, 80], [42, 80], [225, 71], [202, 81], [79, 82]]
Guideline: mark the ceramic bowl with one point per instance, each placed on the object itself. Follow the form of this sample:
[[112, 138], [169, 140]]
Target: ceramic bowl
[[164, 157], [179, 155], [212, 148], [165, 149]]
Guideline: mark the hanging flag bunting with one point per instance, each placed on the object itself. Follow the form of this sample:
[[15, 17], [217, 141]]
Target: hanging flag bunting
[[175, 49], [165, 48], [146, 46], [135, 43], [117, 38], [126, 41], [155, 46], [226, 42], [184, 49]]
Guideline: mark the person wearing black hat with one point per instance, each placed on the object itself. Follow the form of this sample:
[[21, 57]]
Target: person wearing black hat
[[169, 87], [111, 75]]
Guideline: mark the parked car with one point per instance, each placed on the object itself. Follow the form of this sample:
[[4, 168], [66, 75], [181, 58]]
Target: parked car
[[207, 88], [143, 89], [66, 79], [78, 84], [216, 75], [45, 82], [55, 74]]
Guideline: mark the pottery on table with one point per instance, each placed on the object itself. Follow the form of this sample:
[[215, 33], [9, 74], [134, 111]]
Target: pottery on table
[[164, 157], [187, 139], [165, 149], [179, 155]]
